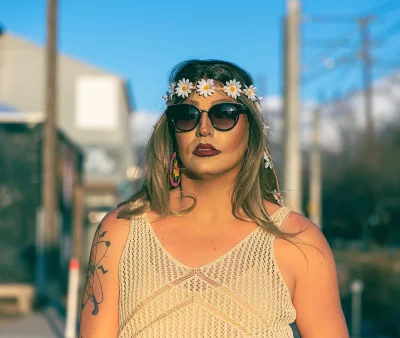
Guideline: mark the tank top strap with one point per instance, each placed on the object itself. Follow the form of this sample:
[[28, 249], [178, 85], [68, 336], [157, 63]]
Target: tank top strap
[[279, 217]]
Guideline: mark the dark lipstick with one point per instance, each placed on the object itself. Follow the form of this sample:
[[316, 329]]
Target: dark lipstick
[[205, 150]]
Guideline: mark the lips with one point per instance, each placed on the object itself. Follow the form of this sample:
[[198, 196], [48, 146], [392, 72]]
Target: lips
[[205, 149]]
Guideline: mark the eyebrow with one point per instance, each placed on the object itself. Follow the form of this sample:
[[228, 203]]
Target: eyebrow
[[192, 101], [223, 101], [213, 103]]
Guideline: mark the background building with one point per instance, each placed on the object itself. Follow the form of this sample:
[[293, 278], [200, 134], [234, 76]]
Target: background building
[[21, 177], [94, 108]]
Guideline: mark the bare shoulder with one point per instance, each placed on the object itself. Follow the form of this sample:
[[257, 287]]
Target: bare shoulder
[[99, 307], [113, 231], [312, 248], [316, 297], [113, 224], [311, 239], [297, 222]]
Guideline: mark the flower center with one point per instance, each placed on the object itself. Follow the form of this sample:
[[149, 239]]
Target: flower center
[[184, 88], [232, 89], [206, 87], [250, 92]]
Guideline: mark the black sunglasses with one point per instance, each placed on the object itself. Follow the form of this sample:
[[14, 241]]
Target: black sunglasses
[[223, 116]]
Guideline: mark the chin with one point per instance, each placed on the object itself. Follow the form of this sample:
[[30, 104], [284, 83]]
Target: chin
[[208, 171]]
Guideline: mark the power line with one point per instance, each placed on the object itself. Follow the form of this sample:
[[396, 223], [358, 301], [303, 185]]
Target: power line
[[331, 64], [326, 62], [389, 14], [380, 7], [329, 19], [363, 54], [344, 41], [393, 29], [337, 43]]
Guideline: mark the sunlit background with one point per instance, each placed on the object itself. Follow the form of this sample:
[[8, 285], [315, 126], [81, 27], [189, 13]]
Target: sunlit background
[[113, 64]]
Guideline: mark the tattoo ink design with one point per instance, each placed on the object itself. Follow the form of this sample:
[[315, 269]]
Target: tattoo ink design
[[93, 282], [102, 269]]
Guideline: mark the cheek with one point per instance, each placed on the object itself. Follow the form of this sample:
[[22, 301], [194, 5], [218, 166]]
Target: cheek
[[183, 141], [239, 137]]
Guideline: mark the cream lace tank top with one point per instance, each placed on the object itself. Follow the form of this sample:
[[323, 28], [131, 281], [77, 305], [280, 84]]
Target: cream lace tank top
[[240, 294]]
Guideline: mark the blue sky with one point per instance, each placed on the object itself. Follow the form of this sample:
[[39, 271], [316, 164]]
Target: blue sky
[[143, 40]]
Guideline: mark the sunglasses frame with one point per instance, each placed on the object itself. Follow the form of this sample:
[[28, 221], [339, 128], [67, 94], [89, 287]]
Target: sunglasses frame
[[243, 109]]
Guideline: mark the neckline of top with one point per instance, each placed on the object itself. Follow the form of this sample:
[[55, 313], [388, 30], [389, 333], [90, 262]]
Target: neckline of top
[[213, 262]]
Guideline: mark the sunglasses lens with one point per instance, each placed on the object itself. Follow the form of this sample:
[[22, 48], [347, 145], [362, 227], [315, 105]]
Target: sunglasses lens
[[185, 116], [224, 116]]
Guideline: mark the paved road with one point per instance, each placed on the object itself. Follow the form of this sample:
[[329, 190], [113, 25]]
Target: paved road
[[46, 324]]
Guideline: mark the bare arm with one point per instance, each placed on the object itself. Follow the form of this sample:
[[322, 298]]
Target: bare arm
[[316, 296], [99, 308]]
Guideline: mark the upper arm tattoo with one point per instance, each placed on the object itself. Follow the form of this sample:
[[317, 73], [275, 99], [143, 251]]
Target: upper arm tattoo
[[93, 290]]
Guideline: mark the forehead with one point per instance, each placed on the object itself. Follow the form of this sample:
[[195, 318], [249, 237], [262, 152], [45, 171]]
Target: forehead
[[218, 97]]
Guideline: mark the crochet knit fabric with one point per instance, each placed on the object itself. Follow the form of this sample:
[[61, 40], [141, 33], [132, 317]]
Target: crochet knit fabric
[[240, 294]]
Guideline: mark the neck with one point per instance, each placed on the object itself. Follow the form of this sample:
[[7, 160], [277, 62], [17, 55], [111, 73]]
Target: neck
[[214, 197]]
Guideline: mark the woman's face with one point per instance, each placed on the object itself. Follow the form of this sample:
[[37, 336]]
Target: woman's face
[[231, 144]]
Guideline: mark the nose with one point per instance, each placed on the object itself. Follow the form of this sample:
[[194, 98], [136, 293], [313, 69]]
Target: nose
[[205, 127]]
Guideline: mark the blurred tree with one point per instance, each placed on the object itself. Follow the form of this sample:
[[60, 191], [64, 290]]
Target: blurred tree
[[355, 193]]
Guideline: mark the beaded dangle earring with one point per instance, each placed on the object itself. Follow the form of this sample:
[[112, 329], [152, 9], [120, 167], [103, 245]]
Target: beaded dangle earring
[[174, 171]]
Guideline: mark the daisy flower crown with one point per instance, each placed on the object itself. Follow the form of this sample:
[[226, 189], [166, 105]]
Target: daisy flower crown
[[206, 87]]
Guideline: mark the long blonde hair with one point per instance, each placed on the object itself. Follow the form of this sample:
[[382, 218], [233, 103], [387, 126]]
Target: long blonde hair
[[253, 184]]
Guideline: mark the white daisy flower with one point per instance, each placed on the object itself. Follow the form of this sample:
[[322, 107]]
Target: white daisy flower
[[251, 92], [232, 88], [172, 88], [206, 87], [184, 87], [258, 102], [278, 197], [266, 129], [267, 159]]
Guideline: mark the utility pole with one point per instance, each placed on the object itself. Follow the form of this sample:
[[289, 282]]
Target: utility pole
[[367, 84], [370, 142], [292, 125], [49, 184], [364, 23], [315, 171], [369, 156]]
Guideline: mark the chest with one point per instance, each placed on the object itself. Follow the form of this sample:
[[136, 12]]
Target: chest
[[199, 249], [195, 247]]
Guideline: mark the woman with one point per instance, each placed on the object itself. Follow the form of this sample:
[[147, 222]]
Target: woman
[[207, 248]]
